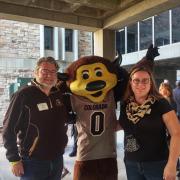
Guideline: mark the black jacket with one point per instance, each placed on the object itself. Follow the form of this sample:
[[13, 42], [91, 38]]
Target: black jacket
[[37, 122]]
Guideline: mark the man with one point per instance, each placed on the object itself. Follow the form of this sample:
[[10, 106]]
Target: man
[[34, 131]]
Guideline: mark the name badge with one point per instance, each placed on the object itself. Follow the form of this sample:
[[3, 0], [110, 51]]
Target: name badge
[[42, 106]]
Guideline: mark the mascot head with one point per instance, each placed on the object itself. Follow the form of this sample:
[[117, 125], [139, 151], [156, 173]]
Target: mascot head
[[91, 77]]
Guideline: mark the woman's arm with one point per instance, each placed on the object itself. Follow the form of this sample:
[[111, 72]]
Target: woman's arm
[[173, 126]]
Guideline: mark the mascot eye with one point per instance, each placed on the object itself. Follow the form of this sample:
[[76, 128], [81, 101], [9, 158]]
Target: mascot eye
[[98, 73], [85, 75]]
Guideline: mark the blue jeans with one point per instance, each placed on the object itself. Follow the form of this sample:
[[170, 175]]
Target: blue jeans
[[145, 170], [42, 170]]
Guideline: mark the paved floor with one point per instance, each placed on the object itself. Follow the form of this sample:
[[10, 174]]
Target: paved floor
[[69, 161], [5, 172]]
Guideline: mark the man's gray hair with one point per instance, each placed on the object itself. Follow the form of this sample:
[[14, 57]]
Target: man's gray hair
[[50, 60]]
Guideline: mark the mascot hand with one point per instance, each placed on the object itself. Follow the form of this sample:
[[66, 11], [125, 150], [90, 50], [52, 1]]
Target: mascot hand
[[71, 118]]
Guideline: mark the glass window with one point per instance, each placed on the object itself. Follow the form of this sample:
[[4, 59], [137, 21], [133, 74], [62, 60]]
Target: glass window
[[176, 25], [120, 41], [48, 37], [132, 38], [161, 29], [145, 33], [69, 40]]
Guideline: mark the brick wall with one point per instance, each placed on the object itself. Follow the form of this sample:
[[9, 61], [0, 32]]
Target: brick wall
[[19, 39], [19, 50], [85, 43], [7, 78]]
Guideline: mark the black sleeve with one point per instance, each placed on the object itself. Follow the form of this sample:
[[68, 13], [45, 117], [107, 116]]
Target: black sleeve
[[11, 127], [122, 116], [67, 101], [174, 105], [164, 106], [71, 113]]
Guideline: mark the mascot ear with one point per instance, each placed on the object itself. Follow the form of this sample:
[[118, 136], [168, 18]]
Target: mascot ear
[[122, 76]]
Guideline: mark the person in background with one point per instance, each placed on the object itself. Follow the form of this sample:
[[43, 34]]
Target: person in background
[[176, 95], [36, 117], [144, 116], [166, 91]]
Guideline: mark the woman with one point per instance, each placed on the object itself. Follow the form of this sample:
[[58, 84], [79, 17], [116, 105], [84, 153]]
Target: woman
[[144, 116], [166, 91]]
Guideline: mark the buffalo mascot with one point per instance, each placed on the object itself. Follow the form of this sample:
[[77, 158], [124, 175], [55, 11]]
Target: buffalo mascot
[[96, 84]]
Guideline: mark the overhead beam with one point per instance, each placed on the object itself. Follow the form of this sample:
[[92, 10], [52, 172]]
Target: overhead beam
[[139, 11], [48, 17]]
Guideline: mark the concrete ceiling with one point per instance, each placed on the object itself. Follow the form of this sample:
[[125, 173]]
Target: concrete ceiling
[[83, 14], [171, 64]]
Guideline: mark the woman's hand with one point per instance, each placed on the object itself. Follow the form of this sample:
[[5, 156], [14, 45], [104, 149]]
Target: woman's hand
[[169, 172]]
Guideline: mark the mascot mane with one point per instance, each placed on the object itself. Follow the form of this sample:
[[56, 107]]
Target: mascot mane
[[71, 69]]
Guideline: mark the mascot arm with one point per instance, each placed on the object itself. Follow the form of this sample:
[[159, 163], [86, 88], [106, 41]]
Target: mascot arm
[[120, 88], [67, 101], [71, 114], [122, 77]]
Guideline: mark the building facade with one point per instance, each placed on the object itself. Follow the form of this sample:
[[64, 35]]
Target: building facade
[[21, 44], [162, 30]]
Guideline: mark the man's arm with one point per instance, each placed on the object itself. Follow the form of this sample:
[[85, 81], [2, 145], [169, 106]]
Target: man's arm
[[10, 128]]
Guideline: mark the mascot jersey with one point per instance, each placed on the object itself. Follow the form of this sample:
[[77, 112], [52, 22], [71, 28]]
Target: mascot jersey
[[96, 123]]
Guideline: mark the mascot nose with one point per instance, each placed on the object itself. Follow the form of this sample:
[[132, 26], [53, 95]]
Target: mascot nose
[[95, 85]]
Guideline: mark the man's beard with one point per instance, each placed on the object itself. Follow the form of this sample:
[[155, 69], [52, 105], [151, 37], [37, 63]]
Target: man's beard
[[45, 85]]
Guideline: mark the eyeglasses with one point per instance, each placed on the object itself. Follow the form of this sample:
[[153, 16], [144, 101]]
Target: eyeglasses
[[142, 81], [46, 72]]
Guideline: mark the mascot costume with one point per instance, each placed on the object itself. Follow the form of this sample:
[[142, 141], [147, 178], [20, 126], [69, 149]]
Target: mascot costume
[[96, 85]]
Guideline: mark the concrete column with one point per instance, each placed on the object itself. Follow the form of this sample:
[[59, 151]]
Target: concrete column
[[42, 52], [62, 39], [170, 26], [104, 43], [125, 30], [75, 44], [56, 43]]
